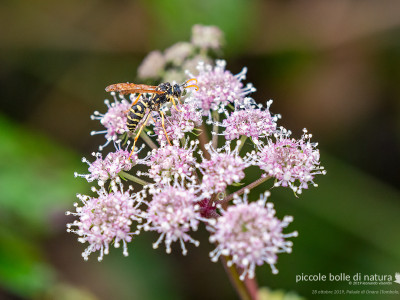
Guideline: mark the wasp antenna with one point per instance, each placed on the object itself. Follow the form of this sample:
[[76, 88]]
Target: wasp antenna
[[191, 79], [193, 85], [185, 84]]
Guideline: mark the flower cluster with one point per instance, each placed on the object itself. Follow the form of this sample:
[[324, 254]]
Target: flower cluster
[[170, 65], [173, 212], [222, 169], [218, 87], [109, 167], [105, 219], [198, 157], [251, 122], [114, 120], [167, 162], [292, 163], [250, 234], [179, 122], [207, 37]]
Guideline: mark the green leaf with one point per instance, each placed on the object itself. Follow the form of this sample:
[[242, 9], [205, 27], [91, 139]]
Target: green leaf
[[36, 176], [23, 271]]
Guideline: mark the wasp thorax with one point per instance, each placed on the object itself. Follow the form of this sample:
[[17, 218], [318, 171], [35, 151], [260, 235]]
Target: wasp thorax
[[166, 87]]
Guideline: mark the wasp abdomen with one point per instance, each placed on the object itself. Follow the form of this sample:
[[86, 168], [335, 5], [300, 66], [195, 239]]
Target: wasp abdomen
[[135, 114]]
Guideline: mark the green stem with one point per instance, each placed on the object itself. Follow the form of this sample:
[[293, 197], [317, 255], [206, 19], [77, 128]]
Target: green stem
[[242, 141], [247, 187], [183, 140], [133, 178], [238, 284], [148, 140], [215, 129], [203, 139], [203, 52], [252, 287]]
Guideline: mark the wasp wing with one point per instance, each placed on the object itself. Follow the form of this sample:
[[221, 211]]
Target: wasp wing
[[132, 88], [140, 91]]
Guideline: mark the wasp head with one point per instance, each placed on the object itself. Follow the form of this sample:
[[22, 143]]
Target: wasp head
[[177, 91]]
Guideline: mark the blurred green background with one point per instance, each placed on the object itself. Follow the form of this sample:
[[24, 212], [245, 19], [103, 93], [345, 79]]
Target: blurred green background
[[330, 66]]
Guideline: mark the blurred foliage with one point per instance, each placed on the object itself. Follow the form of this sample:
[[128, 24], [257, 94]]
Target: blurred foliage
[[36, 177], [36, 182], [67, 292], [267, 294], [23, 270], [175, 15]]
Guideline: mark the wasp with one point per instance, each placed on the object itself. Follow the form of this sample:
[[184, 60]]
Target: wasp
[[142, 108]]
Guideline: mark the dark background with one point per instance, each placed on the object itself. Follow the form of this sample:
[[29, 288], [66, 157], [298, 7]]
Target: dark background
[[330, 66]]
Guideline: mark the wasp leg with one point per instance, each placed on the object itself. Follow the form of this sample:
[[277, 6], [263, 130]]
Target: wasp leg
[[173, 102], [138, 134], [163, 126], [134, 102], [137, 99]]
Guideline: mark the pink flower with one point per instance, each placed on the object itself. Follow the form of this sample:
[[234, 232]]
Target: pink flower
[[250, 234], [251, 122], [106, 219], [97, 169], [219, 87], [178, 53], [108, 168], [172, 213], [114, 120], [179, 122], [221, 170], [152, 66], [169, 161], [293, 163], [207, 36]]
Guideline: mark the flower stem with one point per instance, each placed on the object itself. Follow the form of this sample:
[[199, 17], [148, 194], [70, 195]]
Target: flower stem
[[204, 140], [133, 178], [183, 140], [148, 140], [215, 129], [247, 289], [252, 287], [247, 187], [242, 141]]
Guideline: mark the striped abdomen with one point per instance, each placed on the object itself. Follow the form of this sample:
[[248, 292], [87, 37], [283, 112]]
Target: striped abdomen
[[135, 114]]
